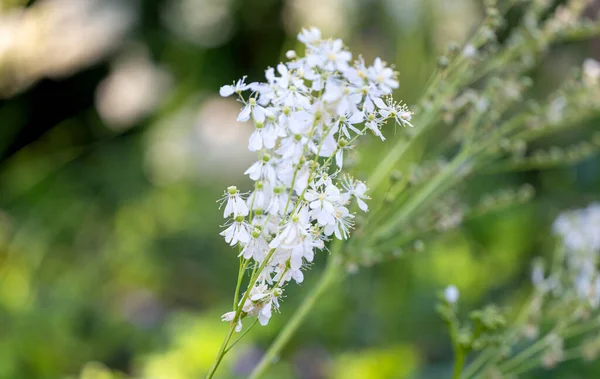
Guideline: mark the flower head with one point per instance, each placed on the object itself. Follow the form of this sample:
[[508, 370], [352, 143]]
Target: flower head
[[306, 115]]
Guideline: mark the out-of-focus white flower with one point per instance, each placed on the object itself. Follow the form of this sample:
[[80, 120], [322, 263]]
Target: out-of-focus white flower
[[54, 38], [451, 294], [579, 231], [591, 72], [309, 36], [470, 51], [383, 76], [132, 90]]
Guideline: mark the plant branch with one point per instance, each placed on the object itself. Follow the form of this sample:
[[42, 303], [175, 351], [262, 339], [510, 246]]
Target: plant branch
[[331, 274]]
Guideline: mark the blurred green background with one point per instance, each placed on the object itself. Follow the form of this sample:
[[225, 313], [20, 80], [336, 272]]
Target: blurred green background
[[114, 147]]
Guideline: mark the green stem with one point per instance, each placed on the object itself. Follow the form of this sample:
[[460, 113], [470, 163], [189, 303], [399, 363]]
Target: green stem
[[238, 314], [493, 355], [240, 337], [242, 270], [533, 349], [568, 355], [328, 278], [459, 364]]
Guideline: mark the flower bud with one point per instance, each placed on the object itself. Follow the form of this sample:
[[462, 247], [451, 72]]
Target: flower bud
[[290, 54], [443, 62], [451, 294]]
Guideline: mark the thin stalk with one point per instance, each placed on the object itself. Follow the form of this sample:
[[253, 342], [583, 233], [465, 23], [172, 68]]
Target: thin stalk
[[238, 313], [331, 274], [493, 354], [568, 355], [222, 352], [526, 365], [241, 272], [459, 364], [240, 337], [533, 349], [429, 190]]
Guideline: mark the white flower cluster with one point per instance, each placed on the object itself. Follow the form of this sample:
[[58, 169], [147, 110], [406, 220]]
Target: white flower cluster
[[579, 231], [306, 115]]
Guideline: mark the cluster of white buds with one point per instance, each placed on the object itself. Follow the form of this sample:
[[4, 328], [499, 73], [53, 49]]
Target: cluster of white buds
[[307, 115], [579, 231]]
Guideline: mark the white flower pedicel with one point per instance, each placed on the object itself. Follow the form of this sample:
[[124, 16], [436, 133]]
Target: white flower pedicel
[[307, 114]]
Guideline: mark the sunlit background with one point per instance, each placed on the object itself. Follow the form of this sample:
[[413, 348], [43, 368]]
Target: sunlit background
[[114, 147]]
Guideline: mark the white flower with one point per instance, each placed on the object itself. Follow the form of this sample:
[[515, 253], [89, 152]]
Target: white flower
[[346, 122], [302, 178], [290, 54], [451, 294], [265, 135], [357, 189], [383, 77], [256, 248], [470, 51], [260, 198], [328, 146], [236, 232], [261, 302], [323, 204], [292, 147], [295, 97], [235, 204], [371, 96], [309, 36], [339, 156], [262, 170], [279, 200], [346, 97], [335, 57], [289, 274], [237, 87], [343, 223], [579, 229], [374, 124], [229, 316], [252, 107], [358, 74], [293, 231], [396, 111], [591, 71]]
